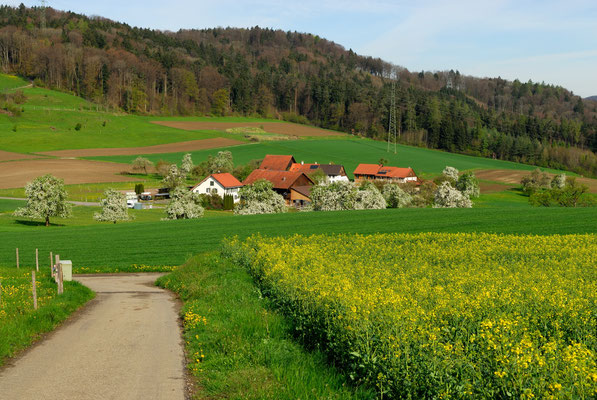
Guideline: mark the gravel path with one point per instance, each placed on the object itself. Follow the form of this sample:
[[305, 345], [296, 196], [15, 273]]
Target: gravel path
[[125, 344]]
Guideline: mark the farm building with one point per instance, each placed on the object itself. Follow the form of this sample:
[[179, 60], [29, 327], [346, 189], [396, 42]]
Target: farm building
[[220, 184], [283, 181], [383, 172], [277, 162], [333, 172]]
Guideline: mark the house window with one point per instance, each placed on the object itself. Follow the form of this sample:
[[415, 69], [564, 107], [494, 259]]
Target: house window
[[211, 183], [207, 190]]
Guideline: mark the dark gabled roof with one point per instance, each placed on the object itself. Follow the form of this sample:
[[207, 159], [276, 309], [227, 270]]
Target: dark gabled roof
[[276, 162], [279, 179], [328, 169]]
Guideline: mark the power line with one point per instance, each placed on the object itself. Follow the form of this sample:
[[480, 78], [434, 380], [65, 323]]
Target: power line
[[392, 135]]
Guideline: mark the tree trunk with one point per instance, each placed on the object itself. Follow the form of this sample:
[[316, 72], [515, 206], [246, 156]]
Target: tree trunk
[[47, 221]]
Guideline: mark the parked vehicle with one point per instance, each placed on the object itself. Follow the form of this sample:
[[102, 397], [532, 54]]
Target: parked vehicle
[[145, 196]]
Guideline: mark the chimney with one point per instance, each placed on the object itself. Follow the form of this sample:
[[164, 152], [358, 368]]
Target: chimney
[[302, 163]]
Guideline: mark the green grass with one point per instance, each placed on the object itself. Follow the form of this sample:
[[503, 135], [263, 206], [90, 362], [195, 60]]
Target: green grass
[[173, 242], [20, 324], [8, 82], [10, 205], [348, 152], [243, 349]]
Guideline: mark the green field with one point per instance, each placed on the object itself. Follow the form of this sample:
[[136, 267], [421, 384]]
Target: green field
[[348, 152], [10, 82], [173, 242]]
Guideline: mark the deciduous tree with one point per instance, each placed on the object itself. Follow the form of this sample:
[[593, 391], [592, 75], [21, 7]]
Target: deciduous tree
[[46, 197]]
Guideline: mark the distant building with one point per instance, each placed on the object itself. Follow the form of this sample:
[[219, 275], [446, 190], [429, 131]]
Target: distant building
[[382, 172], [333, 172], [277, 162], [283, 181], [220, 184]]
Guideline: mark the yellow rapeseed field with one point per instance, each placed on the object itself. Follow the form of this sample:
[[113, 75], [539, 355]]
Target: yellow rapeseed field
[[437, 315]]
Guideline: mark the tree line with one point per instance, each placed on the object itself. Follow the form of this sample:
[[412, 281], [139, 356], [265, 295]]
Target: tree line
[[298, 77]]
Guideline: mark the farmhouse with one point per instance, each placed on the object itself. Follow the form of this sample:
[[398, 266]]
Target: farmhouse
[[277, 162], [333, 172], [220, 184], [283, 182], [382, 172]]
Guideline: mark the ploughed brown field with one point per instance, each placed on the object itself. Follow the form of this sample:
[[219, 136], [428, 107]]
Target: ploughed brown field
[[14, 174], [513, 177], [8, 156], [284, 128], [178, 147]]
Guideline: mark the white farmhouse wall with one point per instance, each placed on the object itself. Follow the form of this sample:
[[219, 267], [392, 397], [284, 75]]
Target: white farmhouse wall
[[211, 186]]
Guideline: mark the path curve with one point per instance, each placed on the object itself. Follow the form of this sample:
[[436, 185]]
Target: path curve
[[126, 344]]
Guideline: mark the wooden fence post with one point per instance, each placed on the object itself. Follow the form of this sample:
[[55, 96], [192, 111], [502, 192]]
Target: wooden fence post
[[59, 275], [34, 289], [37, 260], [17, 258]]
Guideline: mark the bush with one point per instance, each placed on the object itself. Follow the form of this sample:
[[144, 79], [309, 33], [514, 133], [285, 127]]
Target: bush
[[162, 167], [535, 181], [78, 126], [228, 202], [468, 184], [395, 196], [559, 181], [141, 164]]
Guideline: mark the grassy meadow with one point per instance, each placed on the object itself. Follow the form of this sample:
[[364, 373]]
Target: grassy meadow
[[105, 246], [348, 152], [20, 324]]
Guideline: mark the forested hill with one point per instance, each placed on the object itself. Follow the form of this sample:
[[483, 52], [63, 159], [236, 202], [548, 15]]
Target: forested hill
[[298, 77], [593, 98]]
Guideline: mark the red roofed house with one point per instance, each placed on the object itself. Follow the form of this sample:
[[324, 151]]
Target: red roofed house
[[220, 184], [333, 172], [283, 183], [375, 171], [277, 163]]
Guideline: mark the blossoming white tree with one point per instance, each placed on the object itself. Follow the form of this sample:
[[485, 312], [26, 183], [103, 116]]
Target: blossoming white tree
[[114, 207], [46, 197], [174, 178], [450, 173], [187, 165], [447, 196], [184, 204], [259, 198], [345, 195], [468, 185]]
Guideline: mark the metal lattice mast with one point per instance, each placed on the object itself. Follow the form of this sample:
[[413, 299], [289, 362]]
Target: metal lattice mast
[[43, 14], [392, 120]]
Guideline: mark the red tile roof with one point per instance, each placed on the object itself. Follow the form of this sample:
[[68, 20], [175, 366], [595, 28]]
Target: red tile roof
[[226, 180], [367, 169], [384, 171], [276, 162], [280, 179]]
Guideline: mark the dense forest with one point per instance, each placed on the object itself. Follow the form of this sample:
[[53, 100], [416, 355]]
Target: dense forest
[[298, 77]]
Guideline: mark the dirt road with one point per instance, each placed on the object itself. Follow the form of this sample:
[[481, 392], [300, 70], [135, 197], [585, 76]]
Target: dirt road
[[125, 344]]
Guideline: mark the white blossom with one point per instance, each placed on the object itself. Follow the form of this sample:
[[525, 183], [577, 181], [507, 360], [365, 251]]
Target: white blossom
[[187, 165], [450, 173], [259, 198], [448, 197], [46, 197], [114, 207], [184, 204], [344, 195]]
